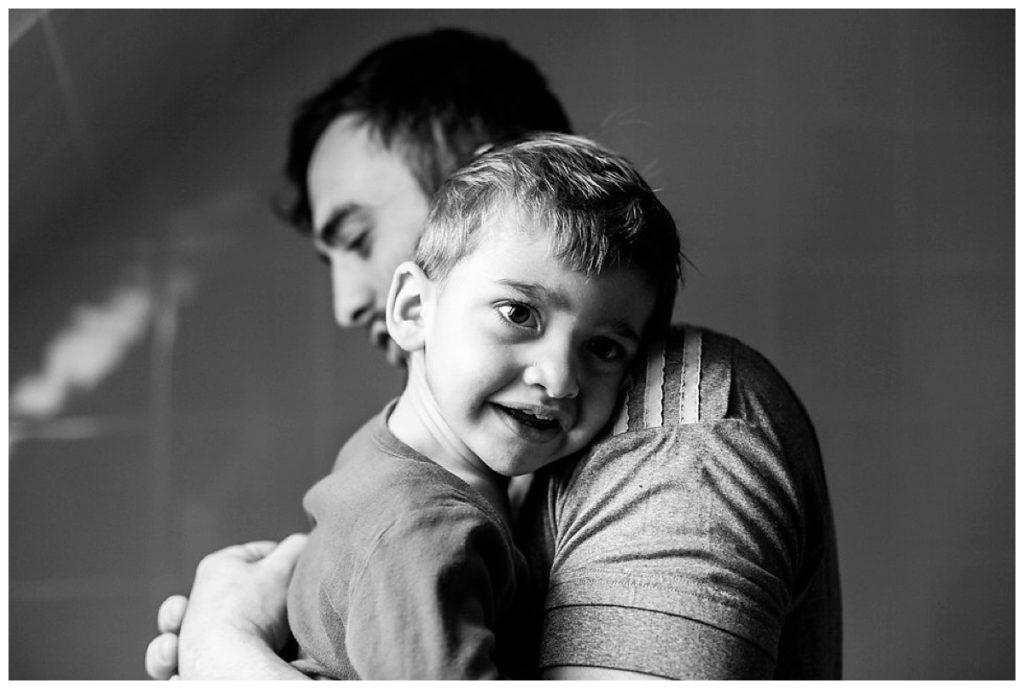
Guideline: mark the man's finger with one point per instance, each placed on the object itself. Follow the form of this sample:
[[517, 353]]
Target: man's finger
[[162, 657], [171, 613]]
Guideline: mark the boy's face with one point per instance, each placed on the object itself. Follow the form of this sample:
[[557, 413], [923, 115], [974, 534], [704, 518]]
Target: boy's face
[[524, 358]]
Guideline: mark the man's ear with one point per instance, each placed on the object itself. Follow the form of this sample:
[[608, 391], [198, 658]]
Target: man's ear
[[409, 302]]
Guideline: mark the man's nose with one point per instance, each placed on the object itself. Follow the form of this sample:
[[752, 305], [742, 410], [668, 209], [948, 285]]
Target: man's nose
[[555, 370], [353, 296]]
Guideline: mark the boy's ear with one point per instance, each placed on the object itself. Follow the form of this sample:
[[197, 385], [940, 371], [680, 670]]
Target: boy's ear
[[410, 291]]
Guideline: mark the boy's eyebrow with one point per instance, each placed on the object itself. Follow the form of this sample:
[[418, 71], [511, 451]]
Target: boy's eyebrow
[[624, 329], [537, 292]]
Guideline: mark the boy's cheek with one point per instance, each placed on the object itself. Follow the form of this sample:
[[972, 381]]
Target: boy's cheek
[[625, 381]]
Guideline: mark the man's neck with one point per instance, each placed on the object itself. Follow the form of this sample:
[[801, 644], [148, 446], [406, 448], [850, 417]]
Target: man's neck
[[417, 421]]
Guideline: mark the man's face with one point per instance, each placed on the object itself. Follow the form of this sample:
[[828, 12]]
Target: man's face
[[368, 212], [524, 358]]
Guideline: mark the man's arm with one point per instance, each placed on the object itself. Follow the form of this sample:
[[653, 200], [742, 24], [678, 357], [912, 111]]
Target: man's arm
[[582, 672], [698, 651], [675, 552], [234, 622]]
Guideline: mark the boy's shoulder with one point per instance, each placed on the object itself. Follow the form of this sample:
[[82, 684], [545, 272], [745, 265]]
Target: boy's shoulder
[[376, 472]]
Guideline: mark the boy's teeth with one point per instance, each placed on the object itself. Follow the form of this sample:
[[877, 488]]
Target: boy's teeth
[[533, 418]]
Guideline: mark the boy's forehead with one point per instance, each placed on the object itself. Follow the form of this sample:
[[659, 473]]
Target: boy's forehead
[[519, 247], [508, 221], [505, 228]]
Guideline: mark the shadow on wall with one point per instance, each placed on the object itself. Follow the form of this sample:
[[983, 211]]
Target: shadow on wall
[[97, 336]]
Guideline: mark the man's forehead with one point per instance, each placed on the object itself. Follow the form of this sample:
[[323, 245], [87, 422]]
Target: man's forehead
[[349, 147], [352, 173]]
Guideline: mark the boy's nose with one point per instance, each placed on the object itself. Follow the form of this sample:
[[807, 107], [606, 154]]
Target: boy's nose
[[555, 371]]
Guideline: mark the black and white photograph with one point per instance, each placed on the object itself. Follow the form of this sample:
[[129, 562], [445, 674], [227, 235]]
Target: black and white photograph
[[511, 344]]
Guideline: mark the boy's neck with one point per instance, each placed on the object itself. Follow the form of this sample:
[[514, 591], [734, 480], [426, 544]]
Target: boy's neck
[[417, 422]]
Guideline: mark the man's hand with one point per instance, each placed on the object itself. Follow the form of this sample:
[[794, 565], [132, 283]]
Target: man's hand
[[162, 652], [235, 619]]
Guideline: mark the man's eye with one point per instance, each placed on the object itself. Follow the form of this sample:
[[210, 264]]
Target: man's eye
[[519, 314], [607, 350], [360, 243]]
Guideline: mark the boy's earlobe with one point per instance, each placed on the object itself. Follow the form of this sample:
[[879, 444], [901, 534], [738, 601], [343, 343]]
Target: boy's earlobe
[[404, 316]]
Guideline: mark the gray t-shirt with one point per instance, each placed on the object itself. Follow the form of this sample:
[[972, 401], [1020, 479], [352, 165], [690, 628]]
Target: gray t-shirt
[[698, 540]]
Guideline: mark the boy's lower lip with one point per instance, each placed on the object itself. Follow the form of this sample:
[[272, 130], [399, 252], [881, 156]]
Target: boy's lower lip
[[524, 430]]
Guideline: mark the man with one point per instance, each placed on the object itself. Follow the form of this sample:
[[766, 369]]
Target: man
[[697, 541]]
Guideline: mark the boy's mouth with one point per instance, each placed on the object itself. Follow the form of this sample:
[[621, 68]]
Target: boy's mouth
[[537, 424]]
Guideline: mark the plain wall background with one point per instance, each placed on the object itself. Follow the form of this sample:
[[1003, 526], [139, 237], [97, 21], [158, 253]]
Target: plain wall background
[[844, 182]]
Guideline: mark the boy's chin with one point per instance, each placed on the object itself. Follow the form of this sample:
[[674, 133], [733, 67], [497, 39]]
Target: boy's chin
[[510, 467]]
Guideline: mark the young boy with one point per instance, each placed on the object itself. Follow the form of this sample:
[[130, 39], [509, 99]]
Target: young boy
[[544, 268]]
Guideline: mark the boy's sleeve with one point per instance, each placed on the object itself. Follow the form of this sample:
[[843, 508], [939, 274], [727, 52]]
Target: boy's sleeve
[[424, 603], [676, 553]]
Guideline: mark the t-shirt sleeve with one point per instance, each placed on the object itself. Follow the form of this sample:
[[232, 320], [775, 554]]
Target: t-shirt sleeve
[[423, 602], [676, 550]]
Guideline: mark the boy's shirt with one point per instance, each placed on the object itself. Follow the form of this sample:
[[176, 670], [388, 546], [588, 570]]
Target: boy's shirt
[[707, 512], [408, 573]]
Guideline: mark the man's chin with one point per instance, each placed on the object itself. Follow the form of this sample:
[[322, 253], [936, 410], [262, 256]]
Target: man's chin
[[377, 333], [393, 353]]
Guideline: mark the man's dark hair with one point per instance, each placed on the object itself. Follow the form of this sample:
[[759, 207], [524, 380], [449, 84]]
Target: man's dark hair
[[433, 98]]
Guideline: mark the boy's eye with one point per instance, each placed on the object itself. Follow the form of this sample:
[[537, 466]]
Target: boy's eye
[[606, 349], [519, 314]]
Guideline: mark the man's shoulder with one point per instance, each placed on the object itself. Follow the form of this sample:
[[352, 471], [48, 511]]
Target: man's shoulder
[[740, 382], [698, 375]]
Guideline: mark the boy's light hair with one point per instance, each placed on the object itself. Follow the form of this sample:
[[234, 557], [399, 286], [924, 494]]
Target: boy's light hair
[[600, 212]]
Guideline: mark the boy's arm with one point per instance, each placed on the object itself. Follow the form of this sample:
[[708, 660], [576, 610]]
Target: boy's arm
[[425, 602]]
